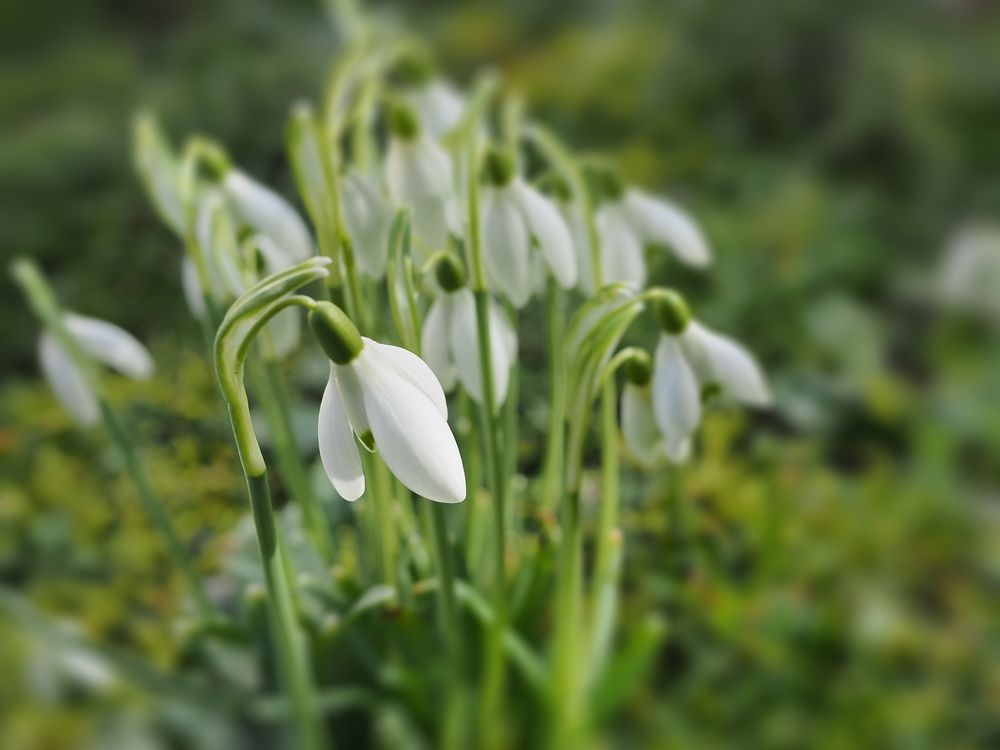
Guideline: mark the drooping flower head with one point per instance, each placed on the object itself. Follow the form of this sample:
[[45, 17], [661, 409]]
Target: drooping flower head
[[387, 398], [518, 219], [628, 220], [418, 173], [450, 343]]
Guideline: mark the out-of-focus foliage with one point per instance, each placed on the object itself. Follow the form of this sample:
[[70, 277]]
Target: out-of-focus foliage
[[828, 576]]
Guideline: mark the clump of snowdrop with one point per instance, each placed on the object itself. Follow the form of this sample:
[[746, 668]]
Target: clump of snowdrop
[[628, 220], [418, 174], [391, 401], [104, 343], [449, 341], [518, 219]]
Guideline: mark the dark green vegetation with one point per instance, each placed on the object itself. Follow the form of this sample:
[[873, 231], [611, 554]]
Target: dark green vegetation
[[826, 577]]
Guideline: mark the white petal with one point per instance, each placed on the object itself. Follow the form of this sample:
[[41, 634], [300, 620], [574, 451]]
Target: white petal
[[368, 218], [550, 231], [412, 437], [434, 341], [191, 286], [676, 398], [430, 225], [410, 367], [274, 256], [439, 105], [464, 342], [337, 449], [505, 245], [352, 397], [67, 382], [110, 344], [417, 170], [581, 246], [662, 222], [722, 360], [639, 431], [270, 214], [622, 256]]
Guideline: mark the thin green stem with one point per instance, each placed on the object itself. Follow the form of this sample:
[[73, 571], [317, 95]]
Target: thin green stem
[[290, 647], [154, 508], [273, 394], [556, 436], [446, 579], [376, 470]]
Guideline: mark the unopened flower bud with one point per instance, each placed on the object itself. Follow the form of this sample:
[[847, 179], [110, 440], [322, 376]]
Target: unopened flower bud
[[498, 167], [671, 311], [638, 368], [450, 273], [335, 332], [401, 121]]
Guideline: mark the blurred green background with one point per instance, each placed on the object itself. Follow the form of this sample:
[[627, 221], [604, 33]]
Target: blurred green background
[[835, 580]]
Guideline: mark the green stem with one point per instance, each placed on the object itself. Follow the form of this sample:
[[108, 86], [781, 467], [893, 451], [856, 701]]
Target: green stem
[[289, 645], [555, 439], [377, 472], [446, 579], [273, 395], [154, 508]]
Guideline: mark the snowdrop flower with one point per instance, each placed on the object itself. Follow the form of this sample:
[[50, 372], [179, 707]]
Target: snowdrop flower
[[369, 219], [450, 343], [437, 103], [104, 342], [628, 220], [267, 213], [968, 276], [418, 173], [514, 216], [661, 410], [390, 399]]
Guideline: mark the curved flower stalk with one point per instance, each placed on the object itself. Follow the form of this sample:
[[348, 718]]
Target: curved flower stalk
[[390, 399], [159, 169], [517, 217], [106, 344], [629, 219], [418, 173], [449, 339]]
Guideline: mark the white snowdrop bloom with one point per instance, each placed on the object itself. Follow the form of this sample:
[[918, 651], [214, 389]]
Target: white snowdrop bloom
[[720, 362], [640, 431], [968, 277], [516, 218], [390, 399], [369, 218], [627, 221], [438, 105], [268, 213], [418, 174], [450, 344], [106, 343]]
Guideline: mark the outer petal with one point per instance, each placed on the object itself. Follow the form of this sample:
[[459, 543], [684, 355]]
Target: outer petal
[[268, 213], [550, 231], [639, 430], [465, 347], [720, 359], [430, 225], [111, 345], [505, 245], [412, 437], [368, 218], [410, 367], [662, 222], [66, 382], [621, 249], [417, 170], [581, 246], [434, 343], [191, 286], [337, 449], [676, 398], [352, 396], [439, 105]]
